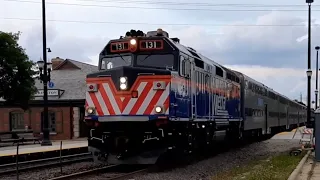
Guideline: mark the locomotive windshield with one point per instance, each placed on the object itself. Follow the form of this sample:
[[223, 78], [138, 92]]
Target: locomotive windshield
[[149, 52], [156, 60], [116, 61]]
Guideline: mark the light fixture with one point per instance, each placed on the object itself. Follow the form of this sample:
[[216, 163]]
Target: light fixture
[[123, 80], [40, 64], [158, 109], [49, 65], [123, 86], [90, 110], [133, 42], [123, 83], [309, 72]]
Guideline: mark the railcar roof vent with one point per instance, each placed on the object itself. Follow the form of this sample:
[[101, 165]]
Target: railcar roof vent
[[193, 52], [158, 32], [192, 49], [177, 40]]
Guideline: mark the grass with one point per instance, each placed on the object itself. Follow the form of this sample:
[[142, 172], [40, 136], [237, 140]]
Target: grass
[[278, 167]]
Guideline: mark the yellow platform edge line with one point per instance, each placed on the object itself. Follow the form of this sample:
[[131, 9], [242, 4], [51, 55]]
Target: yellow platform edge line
[[283, 133]]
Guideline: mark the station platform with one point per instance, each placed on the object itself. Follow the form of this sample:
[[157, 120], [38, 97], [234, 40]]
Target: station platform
[[293, 134], [37, 148]]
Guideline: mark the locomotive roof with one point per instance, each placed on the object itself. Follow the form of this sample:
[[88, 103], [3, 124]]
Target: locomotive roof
[[187, 50]]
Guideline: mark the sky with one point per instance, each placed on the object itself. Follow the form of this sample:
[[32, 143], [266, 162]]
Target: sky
[[266, 41]]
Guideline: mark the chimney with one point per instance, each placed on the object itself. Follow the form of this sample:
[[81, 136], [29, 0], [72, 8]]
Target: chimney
[[56, 62]]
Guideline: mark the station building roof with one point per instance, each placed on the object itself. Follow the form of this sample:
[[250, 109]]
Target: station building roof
[[68, 78]]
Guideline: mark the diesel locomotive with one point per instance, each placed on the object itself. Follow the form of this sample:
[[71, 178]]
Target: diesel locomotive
[[152, 95]]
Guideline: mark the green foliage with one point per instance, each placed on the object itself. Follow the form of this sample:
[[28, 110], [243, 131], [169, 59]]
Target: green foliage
[[276, 167], [16, 82]]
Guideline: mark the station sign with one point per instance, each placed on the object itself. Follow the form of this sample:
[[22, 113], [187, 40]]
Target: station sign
[[51, 92]]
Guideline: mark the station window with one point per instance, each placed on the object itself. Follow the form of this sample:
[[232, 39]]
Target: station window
[[16, 121], [52, 121]]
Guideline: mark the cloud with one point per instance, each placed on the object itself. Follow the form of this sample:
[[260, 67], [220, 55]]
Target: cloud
[[72, 47], [271, 46], [79, 41], [273, 55]]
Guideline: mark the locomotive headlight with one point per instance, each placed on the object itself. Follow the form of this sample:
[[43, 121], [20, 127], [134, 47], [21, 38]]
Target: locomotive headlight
[[158, 109], [123, 86], [123, 80], [90, 110], [133, 42], [123, 83]]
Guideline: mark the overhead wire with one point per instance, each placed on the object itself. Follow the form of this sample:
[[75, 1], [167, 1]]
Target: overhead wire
[[165, 24], [159, 8], [195, 3]]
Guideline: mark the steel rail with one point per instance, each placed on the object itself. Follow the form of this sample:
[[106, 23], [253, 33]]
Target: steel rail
[[99, 170], [43, 163], [78, 174]]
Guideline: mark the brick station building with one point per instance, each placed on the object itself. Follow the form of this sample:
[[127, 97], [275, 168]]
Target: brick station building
[[66, 103]]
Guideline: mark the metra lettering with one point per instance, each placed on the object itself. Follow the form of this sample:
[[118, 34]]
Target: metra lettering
[[219, 107], [220, 102]]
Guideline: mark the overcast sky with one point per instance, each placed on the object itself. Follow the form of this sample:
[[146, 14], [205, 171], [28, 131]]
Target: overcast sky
[[266, 40]]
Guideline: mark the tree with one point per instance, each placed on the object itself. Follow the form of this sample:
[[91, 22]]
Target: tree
[[16, 83]]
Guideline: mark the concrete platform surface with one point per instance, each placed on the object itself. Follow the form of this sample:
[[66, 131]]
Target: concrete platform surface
[[293, 134], [34, 148], [310, 170]]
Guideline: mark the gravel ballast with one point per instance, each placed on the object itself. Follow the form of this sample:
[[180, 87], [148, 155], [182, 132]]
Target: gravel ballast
[[224, 161], [47, 173], [198, 171]]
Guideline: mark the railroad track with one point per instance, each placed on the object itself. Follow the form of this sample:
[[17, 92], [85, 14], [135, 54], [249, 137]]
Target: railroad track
[[44, 163], [112, 172]]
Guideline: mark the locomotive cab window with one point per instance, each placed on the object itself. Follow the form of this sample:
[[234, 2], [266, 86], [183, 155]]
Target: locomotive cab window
[[116, 61], [162, 61], [184, 67]]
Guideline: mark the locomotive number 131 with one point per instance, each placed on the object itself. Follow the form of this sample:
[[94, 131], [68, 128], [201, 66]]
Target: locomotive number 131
[[151, 44], [120, 46]]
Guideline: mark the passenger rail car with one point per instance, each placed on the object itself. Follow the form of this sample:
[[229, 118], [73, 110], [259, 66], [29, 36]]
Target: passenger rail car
[[153, 95]]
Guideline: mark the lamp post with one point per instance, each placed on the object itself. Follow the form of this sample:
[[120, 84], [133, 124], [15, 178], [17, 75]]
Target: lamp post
[[45, 69], [309, 72], [45, 78], [317, 69]]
